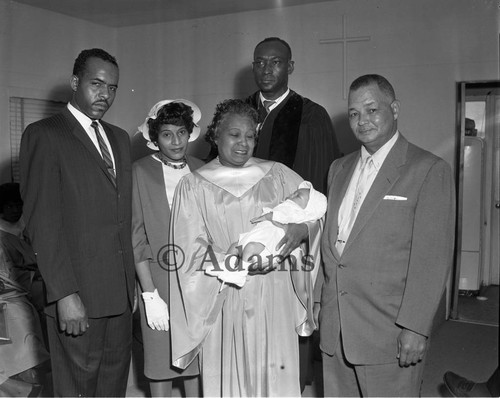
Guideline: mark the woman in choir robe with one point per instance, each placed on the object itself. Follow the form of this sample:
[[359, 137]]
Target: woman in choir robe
[[168, 128], [243, 323]]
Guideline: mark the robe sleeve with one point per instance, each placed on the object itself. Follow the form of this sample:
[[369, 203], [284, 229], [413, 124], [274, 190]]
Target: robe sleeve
[[317, 146], [194, 296], [305, 272], [140, 243]]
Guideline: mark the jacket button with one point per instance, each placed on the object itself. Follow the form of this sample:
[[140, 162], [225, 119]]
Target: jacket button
[[342, 292], [341, 266]]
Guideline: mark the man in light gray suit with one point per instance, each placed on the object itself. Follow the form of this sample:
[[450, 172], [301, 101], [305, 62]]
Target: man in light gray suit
[[387, 250]]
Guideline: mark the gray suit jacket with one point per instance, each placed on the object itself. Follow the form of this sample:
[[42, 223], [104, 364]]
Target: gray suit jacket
[[392, 272]]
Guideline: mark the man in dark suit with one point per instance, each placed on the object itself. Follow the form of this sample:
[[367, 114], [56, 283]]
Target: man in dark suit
[[76, 185], [387, 249]]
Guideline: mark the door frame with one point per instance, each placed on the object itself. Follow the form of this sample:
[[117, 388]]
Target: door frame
[[463, 88]]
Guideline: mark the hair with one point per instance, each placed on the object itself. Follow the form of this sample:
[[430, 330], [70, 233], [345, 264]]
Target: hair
[[223, 109], [274, 39], [80, 65], [382, 83], [175, 113], [9, 193]]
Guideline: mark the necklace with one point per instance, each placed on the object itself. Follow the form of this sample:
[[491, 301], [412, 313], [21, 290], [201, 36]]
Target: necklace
[[177, 166]]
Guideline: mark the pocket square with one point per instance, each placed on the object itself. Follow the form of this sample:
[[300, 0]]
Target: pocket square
[[394, 197]]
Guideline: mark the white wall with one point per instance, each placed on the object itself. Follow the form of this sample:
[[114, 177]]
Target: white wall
[[422, 46], [37, 52]]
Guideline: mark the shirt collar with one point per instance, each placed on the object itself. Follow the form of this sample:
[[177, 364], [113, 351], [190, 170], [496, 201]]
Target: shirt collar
[[277, 101], [82, 118], [379, 156]]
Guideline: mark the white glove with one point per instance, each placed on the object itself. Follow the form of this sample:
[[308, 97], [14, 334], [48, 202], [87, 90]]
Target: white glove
[[156, 310], [234, 275]]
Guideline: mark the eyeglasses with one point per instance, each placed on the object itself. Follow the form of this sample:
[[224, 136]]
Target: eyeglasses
[[273, 64]]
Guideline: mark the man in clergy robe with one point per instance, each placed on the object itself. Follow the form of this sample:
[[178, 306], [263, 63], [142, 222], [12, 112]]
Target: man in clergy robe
[[387, 249], [76, 183], [293, 129]]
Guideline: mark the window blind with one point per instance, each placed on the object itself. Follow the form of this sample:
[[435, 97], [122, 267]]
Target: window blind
[[24, 111]]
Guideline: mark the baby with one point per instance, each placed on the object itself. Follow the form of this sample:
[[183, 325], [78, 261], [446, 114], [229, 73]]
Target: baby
[[260, 243]]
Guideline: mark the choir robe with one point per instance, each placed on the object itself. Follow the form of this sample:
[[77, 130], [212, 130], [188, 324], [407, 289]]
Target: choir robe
[[247, 338]]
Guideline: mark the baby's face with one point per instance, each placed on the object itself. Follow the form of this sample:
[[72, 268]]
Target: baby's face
[[300, 196]]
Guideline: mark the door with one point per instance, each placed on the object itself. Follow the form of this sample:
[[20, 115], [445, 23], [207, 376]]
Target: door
[[476, 270]]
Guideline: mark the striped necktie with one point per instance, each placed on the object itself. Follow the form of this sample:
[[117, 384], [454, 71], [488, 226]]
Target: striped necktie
[[268, 104], [104, 151]]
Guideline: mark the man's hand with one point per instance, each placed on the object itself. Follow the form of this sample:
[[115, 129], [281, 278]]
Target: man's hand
[[411, 347], [72, 315], [295, 234]]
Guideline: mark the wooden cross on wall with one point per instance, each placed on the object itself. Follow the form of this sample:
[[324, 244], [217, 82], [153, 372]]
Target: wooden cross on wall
[[344, 40]]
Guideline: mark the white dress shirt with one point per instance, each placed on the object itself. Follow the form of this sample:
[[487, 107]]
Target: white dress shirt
[[277, 101], [378, 159], [86, 122]]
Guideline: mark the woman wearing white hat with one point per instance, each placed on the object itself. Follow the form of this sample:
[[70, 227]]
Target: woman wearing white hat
[[168, 128]]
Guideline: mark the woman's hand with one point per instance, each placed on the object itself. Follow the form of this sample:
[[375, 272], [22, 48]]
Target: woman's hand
[[233, 249], [263, 269], [263, 217], [294, 235], [156, 311]]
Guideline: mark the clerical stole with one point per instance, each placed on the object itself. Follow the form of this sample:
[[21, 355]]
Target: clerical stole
[[279, 132]]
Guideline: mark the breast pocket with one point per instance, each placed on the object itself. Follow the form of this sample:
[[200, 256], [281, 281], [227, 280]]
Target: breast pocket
[[395, 219]]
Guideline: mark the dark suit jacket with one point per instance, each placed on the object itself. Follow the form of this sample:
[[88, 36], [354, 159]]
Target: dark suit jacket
[[393, 269], [78, 221]]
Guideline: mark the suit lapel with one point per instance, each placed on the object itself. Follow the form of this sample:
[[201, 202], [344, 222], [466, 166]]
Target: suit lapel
[[340, 182], [385, 180], [78, 131], [157, 187]]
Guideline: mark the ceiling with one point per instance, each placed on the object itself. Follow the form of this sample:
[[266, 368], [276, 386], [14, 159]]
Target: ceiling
[[121, 13]]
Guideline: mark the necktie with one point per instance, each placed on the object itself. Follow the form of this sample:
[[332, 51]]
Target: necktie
[[104, 151], [268, 104], [366, 171]]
